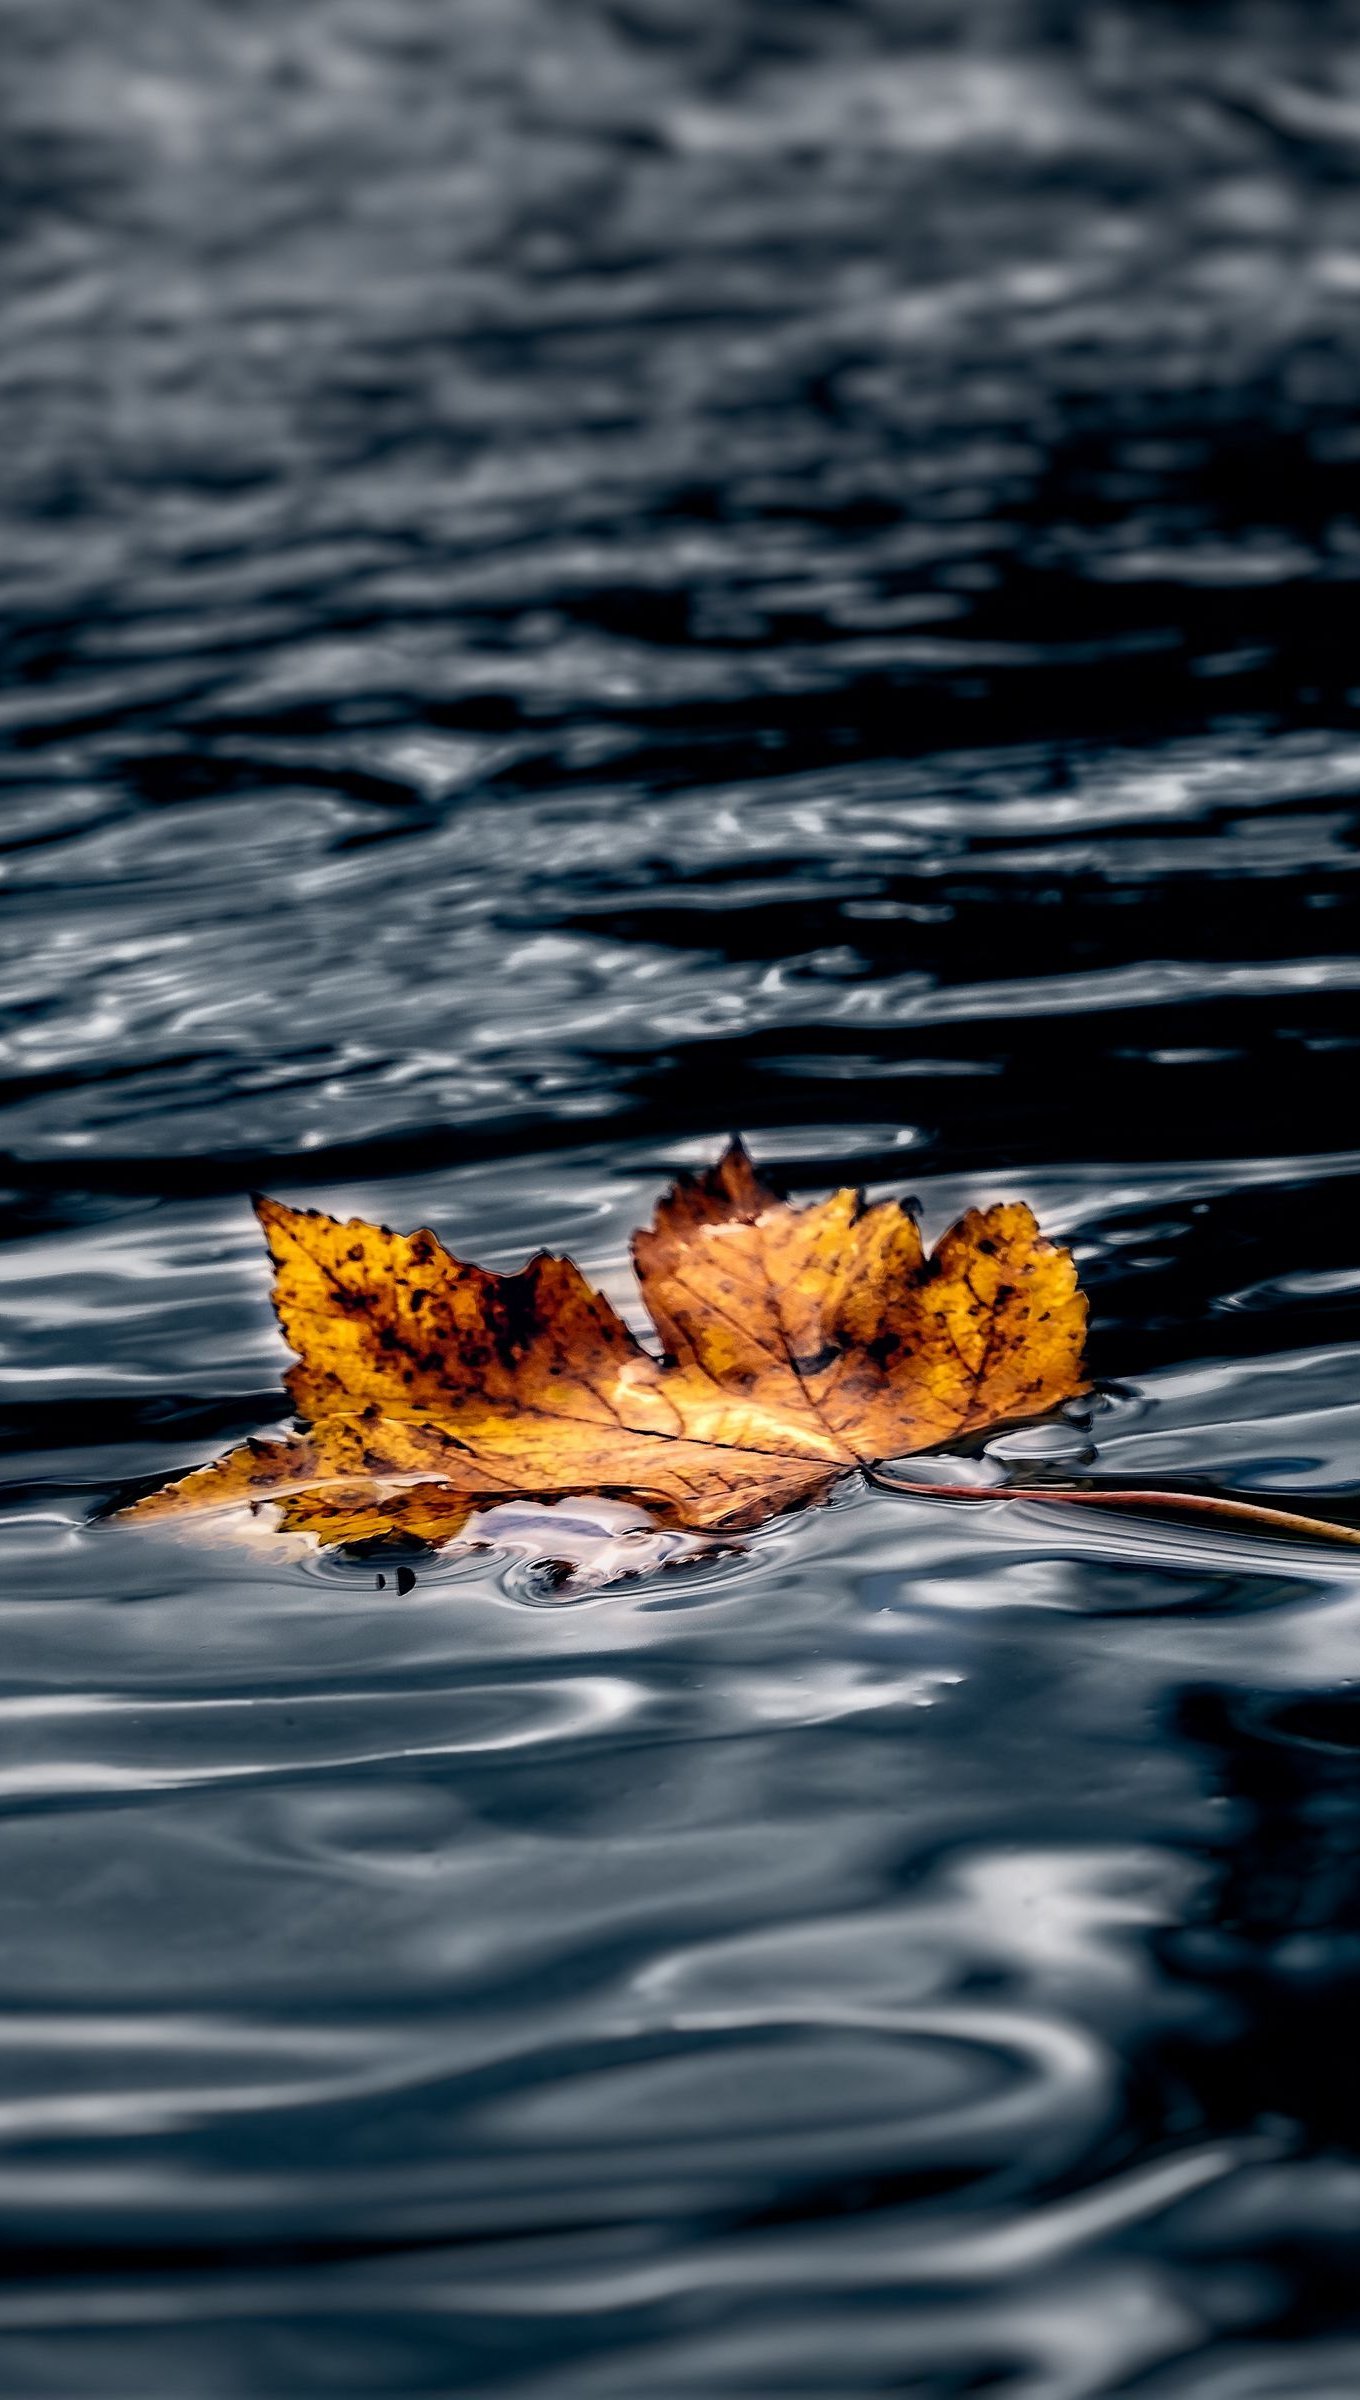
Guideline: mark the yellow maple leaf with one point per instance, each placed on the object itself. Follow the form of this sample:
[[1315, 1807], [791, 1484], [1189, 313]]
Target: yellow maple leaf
[[799, 1343]]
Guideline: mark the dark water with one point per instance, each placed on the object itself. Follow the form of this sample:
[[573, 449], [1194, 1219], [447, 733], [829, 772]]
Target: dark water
[[576, 574]]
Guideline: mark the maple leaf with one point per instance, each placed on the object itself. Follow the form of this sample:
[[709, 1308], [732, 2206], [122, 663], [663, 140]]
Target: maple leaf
[[799, 1343]]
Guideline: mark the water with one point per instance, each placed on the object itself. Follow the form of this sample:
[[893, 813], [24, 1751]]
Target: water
[[578, 574]]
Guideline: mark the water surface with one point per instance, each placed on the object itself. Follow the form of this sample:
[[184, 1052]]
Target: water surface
[[577, 574]]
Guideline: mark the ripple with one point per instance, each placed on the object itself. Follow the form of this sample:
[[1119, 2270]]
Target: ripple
[[103, 1743]]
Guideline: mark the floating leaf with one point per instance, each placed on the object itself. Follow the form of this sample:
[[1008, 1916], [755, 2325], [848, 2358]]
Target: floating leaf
[[799, 1343]]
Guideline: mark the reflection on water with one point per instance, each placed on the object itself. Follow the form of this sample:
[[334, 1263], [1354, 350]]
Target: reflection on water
[[575, 577]]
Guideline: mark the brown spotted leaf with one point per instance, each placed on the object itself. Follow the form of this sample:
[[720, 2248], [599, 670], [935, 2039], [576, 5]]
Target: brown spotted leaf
[[799, 1343]]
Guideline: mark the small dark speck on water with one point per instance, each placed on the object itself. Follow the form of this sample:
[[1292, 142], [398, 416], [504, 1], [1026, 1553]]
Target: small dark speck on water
[[573, 577]]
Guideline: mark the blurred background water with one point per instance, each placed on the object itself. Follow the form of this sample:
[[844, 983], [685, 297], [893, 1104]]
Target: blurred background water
[[576, 574]]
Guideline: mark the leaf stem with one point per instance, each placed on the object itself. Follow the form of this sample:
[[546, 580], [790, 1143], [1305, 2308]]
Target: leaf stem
[[1196, 1504]]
